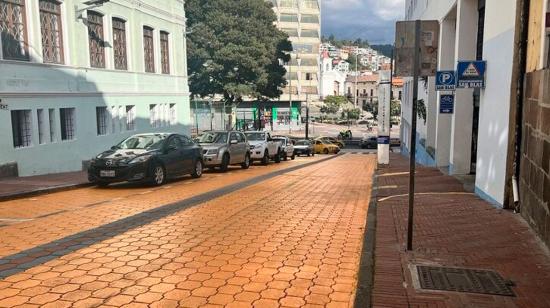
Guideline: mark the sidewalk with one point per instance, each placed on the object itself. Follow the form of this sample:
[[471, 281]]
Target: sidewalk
[[452, 229], [17, 187]]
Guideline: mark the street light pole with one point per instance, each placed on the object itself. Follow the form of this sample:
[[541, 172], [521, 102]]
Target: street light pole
[[307, 115], [290, 96]]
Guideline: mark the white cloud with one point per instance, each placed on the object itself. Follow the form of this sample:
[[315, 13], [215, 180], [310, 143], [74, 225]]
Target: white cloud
[[389, 9]]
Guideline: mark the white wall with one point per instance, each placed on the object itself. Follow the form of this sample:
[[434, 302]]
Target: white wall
[[495, 99]]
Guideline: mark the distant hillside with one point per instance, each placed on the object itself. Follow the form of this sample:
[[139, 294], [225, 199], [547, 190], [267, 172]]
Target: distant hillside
[[386, 50]]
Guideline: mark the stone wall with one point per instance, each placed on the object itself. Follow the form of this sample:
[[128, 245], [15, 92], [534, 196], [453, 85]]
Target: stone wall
[[535, 162]]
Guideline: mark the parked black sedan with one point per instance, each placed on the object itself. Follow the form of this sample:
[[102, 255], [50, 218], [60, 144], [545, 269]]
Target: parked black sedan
[[147, 157]]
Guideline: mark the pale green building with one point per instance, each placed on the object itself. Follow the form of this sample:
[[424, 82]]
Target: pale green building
[[77, 77]]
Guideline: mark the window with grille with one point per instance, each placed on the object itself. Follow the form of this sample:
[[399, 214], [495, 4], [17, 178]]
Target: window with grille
[[40, 116], [173, 115], [165, 52], [67, 121], [51, 119], [114, 118], [96, 39], [101, 120], [148, 50], [21, 127], [13, 29], [50, 26], [130, 117], [289, 18], [154, 116], [119, 44], [310, 19]]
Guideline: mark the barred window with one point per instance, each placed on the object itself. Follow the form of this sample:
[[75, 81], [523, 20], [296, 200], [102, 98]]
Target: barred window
[[130, 117], [101, 120], [51, 119], [67, 121], [148, 50], [173, 115], [50, 26], [40, 116], [154, 115], [119, 44], [13, 29], [96, 39], [165, 52], [21, 127]]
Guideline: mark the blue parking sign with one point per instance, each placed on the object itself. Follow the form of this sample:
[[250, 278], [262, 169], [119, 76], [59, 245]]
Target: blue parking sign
[[445, 81], [446, 104], [471, 74]]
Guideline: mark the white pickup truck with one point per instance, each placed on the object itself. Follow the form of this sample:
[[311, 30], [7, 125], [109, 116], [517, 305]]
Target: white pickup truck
[[263, 147]]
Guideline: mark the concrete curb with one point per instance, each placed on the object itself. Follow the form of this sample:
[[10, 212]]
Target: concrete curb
[[41, 191], [365, 283]]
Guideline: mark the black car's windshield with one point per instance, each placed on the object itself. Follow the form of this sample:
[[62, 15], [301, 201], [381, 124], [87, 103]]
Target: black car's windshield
[[143, 142], [219, 137], [302, 142], [255, 136]]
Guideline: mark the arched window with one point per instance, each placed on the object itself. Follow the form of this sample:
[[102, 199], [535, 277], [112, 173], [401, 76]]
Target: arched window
[[148, 49], [119, 44], [96, 39], [13, 29], [52, 34]]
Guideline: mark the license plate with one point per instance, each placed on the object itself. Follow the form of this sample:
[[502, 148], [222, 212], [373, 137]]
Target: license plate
[[107, 173]]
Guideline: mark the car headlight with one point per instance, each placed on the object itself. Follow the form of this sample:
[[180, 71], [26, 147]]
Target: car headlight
[[140, 159], [212, 152]]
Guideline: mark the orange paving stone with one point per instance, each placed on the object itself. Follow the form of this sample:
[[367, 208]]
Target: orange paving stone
[[290, 241]]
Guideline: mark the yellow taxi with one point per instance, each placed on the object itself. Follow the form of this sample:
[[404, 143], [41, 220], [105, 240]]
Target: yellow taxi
[[322, 147], [332, 140]]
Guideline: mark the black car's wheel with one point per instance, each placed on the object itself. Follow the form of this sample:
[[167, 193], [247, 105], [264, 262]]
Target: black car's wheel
[[293, 157], [225, 163], [158, 173], [308, 153], [197, 171], [265, 159], [278, 156], [246, 163], [325, 151]]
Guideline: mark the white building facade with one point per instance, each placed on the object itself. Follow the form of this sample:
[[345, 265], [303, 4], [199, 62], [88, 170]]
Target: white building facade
[[475, 139], [76, 79], [332, 80]]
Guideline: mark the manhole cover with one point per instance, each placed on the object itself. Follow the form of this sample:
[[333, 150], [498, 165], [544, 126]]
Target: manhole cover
[[463, 280]]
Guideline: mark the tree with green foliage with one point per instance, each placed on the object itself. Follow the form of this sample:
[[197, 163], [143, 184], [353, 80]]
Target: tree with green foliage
[[333, 103], [395, 108], [235, 50], [351, 114]]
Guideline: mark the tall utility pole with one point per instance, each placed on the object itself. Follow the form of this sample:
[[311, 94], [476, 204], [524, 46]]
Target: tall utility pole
[[307, 115], [412, 156], [290, 96], [356, 76]]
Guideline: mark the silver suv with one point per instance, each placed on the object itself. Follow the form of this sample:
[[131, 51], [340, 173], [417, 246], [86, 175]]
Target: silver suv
[[224, 148]]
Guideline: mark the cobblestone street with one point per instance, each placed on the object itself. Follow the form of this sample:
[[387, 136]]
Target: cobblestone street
[[287, 235]]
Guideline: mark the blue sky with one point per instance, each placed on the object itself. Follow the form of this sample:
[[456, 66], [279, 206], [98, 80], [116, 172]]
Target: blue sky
[[373, 20]]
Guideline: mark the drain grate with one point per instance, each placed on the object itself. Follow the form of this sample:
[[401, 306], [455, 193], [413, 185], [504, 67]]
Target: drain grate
[[463, 280]]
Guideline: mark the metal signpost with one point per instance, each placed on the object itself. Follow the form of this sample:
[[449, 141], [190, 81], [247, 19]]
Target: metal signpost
[[445, 81], [384, 95], [446, 103], [417, 44], [471, 74]]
